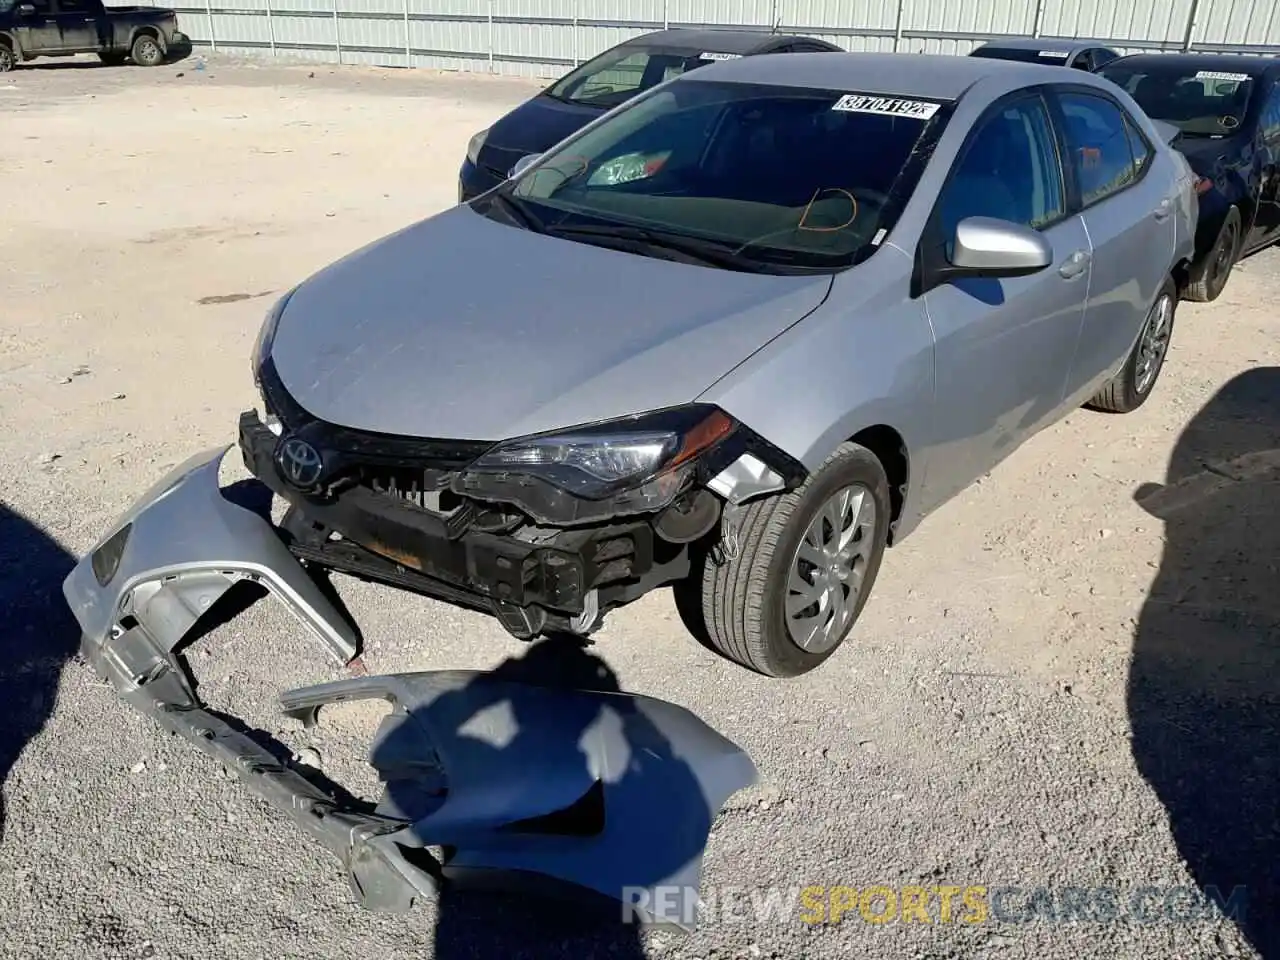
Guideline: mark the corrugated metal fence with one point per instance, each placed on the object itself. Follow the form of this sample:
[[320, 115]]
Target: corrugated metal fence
[[544, 38]]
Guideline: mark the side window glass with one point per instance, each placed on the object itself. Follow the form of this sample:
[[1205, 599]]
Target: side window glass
[[1010, 171], [1271, 116], [1139, 147], [1097, 145], [1084, 61]]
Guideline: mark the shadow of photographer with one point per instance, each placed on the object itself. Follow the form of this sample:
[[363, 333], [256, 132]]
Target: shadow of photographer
[[1204, 684]]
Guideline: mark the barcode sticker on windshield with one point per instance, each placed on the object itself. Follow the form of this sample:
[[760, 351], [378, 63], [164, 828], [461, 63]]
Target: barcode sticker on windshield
[[885, 106], [720, 56], [1216, 75], [1055, 54]]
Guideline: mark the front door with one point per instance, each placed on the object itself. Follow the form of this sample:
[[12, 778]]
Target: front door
[[36, 28], [1127, 208], [1266, 222], [1003, 346]]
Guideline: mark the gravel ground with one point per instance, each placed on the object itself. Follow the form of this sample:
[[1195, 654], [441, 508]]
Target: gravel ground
[[1064, 679]]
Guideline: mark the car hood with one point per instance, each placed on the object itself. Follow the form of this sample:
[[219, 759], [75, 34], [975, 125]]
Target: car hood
[[464, 328], [533, 127]]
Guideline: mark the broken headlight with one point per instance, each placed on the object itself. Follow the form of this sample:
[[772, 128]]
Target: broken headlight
[[589, 473]]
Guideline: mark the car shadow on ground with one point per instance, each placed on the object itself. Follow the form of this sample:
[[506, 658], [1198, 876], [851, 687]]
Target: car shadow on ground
[[1204, 685], [37, 635]]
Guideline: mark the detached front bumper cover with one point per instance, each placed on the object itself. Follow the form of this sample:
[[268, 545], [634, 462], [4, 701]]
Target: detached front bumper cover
[[601, 791]]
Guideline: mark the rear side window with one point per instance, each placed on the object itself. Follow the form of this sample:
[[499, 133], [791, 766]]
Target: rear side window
[[1098, 146], [1139, 147]]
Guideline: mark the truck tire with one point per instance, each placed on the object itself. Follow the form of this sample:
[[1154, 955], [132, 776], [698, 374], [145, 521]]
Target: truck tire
[[112, 59], [7, 59], [1129, 389], [821, 543], [146, 51], [1209, 277]]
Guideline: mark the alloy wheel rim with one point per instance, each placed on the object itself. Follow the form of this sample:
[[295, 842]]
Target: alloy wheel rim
[[828, 568], [1154, 342], [1222, 262]]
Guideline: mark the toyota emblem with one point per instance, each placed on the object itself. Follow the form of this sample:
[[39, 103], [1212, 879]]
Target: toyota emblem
[[300, 462]]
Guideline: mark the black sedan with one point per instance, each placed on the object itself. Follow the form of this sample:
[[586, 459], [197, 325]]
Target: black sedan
[[1052, 51], [1228, 108], [603, 83]]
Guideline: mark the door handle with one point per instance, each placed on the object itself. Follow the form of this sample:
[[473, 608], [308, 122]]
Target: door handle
[[1163, 210], [1074, 265]]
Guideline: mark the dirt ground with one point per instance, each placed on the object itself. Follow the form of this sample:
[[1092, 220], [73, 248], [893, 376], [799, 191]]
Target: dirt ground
[[1063, 679]]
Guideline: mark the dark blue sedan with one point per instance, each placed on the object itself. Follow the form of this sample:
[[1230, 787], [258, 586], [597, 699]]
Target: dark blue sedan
[[603, 83]]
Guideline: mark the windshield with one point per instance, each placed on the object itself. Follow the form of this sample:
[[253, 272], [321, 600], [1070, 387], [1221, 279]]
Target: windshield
[[1201, 103], [794, 177], [619, 74], [1054, 57]]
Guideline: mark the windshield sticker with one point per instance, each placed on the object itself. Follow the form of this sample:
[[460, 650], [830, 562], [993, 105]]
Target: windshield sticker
[[709, 55], [1216, 75], [1055, 54], [885, 106]]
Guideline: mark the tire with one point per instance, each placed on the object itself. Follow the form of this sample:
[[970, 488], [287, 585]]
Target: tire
[[146, 51], [1209, 277], [7, 60], [1129, 389], [112, 59], [738, 608]]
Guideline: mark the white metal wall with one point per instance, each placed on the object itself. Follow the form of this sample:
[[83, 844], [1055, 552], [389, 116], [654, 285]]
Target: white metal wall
[[544, 38]]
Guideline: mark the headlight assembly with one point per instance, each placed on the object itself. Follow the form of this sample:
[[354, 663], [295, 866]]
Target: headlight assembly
[[619, 467], [475, 145], [266, 336]]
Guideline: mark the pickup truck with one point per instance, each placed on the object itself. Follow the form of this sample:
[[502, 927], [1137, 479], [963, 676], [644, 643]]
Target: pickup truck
[[59, 28]]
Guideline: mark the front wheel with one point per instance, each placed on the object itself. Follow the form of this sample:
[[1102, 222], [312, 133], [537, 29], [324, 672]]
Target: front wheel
[[7, 59], [146, 51], [1129, 389], [805, 565], [1209, 277]]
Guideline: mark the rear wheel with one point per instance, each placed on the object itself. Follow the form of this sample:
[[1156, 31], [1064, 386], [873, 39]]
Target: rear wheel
[[1209, 277], [146, 51], [805, 565], [1129, 389], [7, 59]]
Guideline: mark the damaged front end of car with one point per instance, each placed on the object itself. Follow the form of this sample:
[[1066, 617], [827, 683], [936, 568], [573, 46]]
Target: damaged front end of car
[[546, 532], [488, 778]]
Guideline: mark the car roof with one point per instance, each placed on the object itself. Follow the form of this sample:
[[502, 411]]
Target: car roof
[[717, 41], [1254, 65], [1059, 44], [931, 76]]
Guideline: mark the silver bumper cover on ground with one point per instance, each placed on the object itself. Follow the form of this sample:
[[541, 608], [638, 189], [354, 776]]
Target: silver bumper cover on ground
[[520, 781]]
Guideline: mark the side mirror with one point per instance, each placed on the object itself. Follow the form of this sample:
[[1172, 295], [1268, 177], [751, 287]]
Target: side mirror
[[26, 9], [523, 164], [984, 247]]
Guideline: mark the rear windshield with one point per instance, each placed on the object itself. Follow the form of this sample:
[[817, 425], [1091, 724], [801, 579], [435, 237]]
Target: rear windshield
[[783, 174], [619, 74], [1200, 102], [1056, 58]]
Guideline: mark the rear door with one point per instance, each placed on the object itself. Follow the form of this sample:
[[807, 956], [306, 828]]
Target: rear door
[[1003, 346], [1125, 191], [77, 26]]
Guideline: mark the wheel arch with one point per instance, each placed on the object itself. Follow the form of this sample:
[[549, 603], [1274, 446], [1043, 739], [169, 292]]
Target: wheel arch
[[146, 30], [891, 450], [10, 41]]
